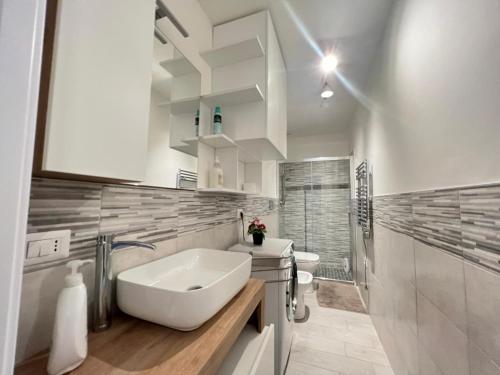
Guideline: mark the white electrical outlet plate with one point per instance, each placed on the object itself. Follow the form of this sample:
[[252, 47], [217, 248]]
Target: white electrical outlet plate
[[46, 246]]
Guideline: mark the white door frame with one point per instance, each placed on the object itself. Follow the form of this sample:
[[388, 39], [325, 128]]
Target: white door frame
[[21, 34]]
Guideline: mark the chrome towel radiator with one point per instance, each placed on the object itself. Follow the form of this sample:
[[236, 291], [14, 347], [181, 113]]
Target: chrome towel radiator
[[363, 205]]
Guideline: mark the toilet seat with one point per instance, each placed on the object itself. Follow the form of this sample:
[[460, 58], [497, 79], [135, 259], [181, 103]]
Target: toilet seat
[[306, 261], [304, 278], [303, 257]]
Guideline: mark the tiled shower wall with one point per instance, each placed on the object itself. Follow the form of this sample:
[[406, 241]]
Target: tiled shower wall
[[433, 280], [316, 211], [173, 219]]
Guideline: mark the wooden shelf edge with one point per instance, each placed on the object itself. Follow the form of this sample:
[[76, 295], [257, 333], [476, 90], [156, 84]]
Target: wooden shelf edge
[[164, 350]]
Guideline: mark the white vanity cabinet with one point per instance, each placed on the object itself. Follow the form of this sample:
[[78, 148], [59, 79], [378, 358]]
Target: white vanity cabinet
[[97, 110]]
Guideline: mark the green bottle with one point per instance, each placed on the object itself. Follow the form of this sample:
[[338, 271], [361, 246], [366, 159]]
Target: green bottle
[[217, 120], [197, 123]]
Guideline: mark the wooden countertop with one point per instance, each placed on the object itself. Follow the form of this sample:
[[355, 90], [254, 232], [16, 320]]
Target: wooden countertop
[[133, 346]]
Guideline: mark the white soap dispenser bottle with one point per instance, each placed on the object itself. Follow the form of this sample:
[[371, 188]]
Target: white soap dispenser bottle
[[216, 176], [69, 339]]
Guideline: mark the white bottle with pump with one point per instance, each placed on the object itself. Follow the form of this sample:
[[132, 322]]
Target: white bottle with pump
[[69, 339], [216, 176]]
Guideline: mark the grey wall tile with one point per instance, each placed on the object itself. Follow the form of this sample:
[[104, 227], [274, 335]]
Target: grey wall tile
[[403, 258], [316, 212], [483, 307], [395, 269], [132, 212], [480, 363], [196, 212], [330, 172], [143, 214], [480, 215], [426, 364], [436, 219], [226, 206], [272, 222], [57, 205], [131, 257], [445, 343], [457, 306], [226, 235], [394, 212], [464, 221], [407, 344], [199, 239], [382, 249], [392, 291], [440, 277], [292, 219]]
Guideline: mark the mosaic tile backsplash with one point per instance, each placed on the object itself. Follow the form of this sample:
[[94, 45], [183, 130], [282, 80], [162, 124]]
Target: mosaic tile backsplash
[[132, 212], [462, 221]]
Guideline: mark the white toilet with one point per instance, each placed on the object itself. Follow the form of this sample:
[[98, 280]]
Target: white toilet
[[304, 281], [308, 262]]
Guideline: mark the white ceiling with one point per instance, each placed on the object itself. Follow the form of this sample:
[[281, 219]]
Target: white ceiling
[[352, 27]]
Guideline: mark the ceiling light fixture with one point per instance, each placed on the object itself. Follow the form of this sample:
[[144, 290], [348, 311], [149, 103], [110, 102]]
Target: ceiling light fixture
[[329, 63], [326, 92]]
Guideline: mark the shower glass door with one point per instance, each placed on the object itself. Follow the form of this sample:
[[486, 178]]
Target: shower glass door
[[314, 213]]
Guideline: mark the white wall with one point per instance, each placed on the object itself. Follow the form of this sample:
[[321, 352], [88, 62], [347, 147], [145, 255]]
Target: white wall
[[432, 121], [324, 145], [21, 32], [435, 93], [163, 162]]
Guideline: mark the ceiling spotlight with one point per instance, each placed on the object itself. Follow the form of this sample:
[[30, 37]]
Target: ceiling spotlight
[[327, 91], [329, 63]]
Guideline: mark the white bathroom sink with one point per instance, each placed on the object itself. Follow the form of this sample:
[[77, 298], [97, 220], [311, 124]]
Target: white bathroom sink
[[184, 290]]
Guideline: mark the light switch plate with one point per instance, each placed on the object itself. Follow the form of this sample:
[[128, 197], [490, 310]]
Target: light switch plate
[[46, 246]]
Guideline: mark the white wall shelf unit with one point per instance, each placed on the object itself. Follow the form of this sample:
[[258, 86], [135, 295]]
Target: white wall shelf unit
[[188, 148], [222, 191], [243, 95], [187, 105], [246, 156], [234, 53], [217, 141], [178, 66], [220, 141], [248, 80]]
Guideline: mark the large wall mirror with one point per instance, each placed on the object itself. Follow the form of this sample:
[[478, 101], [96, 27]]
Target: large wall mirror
[[175, 92]]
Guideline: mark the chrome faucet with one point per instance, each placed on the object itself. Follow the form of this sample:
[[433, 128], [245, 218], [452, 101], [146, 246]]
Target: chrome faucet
[[103, 289]]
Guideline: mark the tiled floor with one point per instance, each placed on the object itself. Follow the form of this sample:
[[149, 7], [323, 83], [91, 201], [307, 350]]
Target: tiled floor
[[336, 342], [334, 273]]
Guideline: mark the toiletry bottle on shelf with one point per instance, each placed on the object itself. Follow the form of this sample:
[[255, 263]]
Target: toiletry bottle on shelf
[[217, 120], [216, 177], [69, 339], [197, 123]]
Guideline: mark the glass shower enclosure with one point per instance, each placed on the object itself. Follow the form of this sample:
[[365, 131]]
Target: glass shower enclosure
[[314, 212]]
